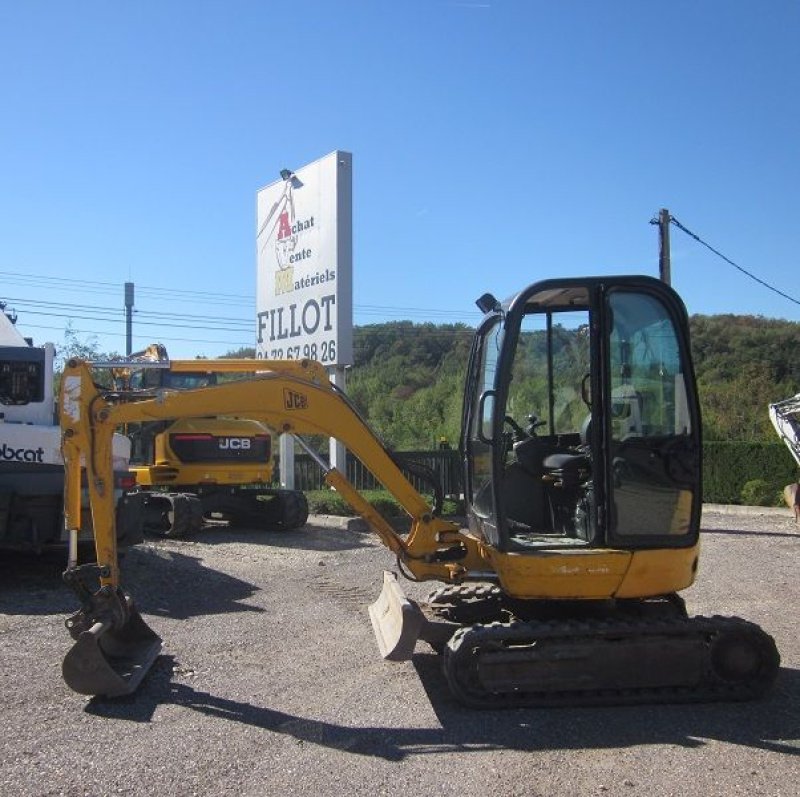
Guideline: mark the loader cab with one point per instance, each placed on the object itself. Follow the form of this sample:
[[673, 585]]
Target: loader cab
[[144, 435], [581, 425]]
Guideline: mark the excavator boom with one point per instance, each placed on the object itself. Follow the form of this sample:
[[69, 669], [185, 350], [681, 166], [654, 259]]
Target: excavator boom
[[114, 646], [292, 397]]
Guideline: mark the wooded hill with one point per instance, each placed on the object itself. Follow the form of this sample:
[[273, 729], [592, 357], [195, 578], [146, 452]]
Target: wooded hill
[[407, 378]]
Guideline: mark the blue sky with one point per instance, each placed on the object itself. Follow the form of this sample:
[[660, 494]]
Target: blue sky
[[494, 142]]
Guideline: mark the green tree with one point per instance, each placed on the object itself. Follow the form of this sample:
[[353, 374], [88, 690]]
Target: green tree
[[243, 353], [407, 380], [743, 363], [79, 348], [74, 346]]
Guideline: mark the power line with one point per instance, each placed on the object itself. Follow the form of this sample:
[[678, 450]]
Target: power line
[[121, 335], [699, 240], [142, 314], [111, 313], [115, 287], [99, 288], [248, 329], [144, 323], [360, 336], [169, 320]]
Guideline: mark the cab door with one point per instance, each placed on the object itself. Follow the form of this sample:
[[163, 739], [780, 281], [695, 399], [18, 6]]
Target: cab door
[[479, 429], [651, 419]]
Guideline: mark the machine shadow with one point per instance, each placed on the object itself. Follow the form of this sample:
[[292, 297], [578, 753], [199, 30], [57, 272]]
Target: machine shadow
[[31, 583], [742, 533], [308, 538], [165, 584], [769, 725]]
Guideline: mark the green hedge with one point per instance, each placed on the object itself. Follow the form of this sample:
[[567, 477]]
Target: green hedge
[[329, 502], [733, 473], [766, 468]]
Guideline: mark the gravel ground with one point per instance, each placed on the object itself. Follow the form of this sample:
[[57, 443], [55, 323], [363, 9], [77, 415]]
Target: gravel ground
[[270, 684]]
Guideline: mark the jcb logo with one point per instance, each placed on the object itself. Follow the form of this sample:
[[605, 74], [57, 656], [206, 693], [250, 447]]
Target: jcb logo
[[235, 443], [294, 401]]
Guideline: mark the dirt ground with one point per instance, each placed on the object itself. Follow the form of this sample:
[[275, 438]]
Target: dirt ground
[[270, 684]]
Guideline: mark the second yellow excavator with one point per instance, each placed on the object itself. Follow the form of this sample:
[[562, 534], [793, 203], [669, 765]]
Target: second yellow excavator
[[582, 463], [195, 468]]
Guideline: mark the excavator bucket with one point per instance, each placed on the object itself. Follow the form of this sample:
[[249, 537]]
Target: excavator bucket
[[110, 661], [396, 621]]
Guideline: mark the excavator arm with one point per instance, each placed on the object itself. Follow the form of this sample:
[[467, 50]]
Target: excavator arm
[[293, 397]]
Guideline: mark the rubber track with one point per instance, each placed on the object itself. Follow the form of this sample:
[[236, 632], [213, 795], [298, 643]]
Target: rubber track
[[463, 652], [186, 511], [454, 594], [285, 510], [467, 603]]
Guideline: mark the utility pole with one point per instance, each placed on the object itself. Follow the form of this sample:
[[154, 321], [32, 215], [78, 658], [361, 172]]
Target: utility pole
[[663, 245], [128, 318]]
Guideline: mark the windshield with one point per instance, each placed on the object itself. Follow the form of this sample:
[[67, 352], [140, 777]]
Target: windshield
[[549, 374], [149, 378], [189, 381]]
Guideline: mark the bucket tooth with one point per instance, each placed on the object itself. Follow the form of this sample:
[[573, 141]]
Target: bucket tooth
[[111, 662], [396, 621]]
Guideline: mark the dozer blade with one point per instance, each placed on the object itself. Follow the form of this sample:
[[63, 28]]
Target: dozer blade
[[111, 662], [396, 621]]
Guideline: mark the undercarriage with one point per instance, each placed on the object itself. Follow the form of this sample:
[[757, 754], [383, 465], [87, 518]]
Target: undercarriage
[[504, 653], [182, 511]]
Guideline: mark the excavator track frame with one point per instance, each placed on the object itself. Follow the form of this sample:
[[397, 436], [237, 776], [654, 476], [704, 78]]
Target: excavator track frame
[[589, 662]]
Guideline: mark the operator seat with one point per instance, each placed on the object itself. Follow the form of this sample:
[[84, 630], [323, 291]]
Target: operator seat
[[523, 498], [569, 468]]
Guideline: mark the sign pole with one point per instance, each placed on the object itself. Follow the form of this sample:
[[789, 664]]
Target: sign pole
[[337, 451], [286, 453]]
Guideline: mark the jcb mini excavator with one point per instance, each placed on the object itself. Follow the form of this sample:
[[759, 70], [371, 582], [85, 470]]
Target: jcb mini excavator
[[582, 465], [191, 469]]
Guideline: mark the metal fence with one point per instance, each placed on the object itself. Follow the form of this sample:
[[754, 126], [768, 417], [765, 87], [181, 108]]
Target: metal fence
[[727, 466], [445, 463]]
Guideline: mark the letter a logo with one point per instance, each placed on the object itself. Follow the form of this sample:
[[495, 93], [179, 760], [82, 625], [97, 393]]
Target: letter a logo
[[284, 228]]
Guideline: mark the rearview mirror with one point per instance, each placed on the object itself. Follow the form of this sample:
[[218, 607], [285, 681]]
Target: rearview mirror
[[485, 416], [586, 390]]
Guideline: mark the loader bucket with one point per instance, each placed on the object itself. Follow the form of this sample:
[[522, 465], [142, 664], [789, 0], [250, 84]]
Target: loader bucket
[[111, 662], [396, 621]]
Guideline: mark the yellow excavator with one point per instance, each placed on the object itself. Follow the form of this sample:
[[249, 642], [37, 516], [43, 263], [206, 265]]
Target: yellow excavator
[[582, 464], [195, 468]]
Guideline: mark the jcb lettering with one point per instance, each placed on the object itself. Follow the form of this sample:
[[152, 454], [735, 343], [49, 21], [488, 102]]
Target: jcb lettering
[[235, 443], [294, 401]]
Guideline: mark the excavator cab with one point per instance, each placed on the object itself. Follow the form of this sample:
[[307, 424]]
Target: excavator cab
[[581, 424]]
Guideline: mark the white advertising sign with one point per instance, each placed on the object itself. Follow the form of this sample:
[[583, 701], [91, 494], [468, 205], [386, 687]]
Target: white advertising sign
[[304, 285]]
